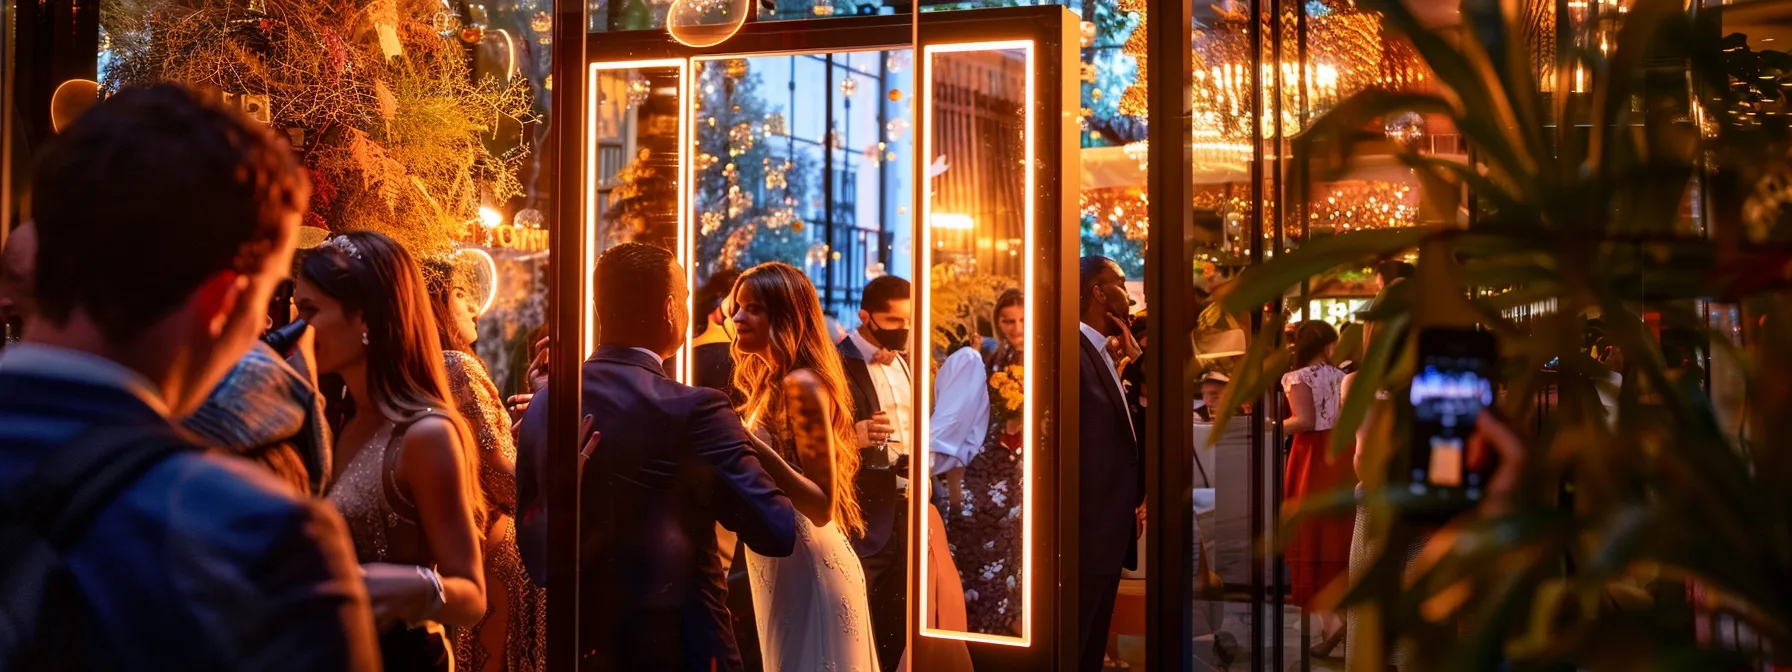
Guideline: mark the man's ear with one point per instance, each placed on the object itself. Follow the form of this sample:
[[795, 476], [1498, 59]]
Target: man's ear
[[865, 316], [216, 300]]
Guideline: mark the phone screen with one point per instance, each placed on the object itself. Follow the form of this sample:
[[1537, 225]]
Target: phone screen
[[1452, 386]]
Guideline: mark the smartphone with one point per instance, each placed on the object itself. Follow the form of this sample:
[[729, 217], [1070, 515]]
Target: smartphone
[[1452, 385]]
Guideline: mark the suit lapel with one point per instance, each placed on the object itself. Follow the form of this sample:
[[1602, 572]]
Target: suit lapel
[[1116, 398]]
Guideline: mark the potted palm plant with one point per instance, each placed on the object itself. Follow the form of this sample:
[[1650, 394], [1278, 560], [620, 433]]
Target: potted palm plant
[[1622, 515]]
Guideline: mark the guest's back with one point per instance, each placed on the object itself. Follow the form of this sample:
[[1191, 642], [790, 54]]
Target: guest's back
[[674, 460], [203, 563]]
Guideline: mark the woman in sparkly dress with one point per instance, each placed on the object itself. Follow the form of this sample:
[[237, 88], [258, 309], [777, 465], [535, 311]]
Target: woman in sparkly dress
[[512, 636], [403, 480], [985, 529]]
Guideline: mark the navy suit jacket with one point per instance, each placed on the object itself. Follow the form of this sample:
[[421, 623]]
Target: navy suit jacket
[[880, 497], [206, 562], [1112, 480], [674, 461]]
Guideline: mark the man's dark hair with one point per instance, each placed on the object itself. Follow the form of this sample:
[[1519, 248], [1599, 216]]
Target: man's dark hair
[[715, 290], [881, 291], [632, 284], [146, 196], [1089, 268]]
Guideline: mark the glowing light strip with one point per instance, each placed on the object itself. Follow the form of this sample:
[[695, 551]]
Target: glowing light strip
[[491, 266], [588, 260], [1028, 414]]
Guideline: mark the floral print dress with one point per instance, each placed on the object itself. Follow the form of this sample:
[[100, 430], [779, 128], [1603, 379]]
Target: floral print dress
[[985, 528]]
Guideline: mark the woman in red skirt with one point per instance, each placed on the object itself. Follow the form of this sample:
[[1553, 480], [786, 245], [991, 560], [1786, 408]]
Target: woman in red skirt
[[1320, 549]]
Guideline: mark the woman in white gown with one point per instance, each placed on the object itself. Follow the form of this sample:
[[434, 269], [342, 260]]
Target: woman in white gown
[[811, 606]]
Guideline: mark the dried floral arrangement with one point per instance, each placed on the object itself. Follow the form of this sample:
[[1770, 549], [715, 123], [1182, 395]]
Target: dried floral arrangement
[[963, 300], [377, 98]]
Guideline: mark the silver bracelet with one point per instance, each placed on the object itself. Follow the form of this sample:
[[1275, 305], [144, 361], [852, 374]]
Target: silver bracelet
[[441, 598]]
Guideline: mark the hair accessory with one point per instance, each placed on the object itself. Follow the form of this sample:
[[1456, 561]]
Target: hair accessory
[[342, 244]]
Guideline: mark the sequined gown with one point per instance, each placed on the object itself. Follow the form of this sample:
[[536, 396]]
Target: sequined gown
[[384, 525], [812, 608], [525, 604]]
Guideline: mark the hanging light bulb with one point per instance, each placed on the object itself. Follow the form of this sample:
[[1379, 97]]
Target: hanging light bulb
[[706, 23]]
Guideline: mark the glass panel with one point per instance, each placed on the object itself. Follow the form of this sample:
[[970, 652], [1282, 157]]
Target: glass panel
[[636, 129], [818, 186], [977, 223]]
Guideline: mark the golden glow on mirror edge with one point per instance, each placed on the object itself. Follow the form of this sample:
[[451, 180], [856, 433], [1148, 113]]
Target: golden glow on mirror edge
[[925, 194], [684, 187]]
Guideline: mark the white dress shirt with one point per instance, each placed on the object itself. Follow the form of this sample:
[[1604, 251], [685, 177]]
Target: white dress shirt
[[894, 391], [1101, 345], [960, 411]]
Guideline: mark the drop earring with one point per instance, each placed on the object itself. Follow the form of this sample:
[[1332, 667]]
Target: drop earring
[[364, 338]]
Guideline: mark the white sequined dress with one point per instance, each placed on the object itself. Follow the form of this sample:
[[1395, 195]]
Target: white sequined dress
[[812, 609]]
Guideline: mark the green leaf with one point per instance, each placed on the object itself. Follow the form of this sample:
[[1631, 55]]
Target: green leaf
[[1268, 281]]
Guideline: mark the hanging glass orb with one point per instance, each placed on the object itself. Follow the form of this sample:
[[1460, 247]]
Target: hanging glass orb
[[706, 23]]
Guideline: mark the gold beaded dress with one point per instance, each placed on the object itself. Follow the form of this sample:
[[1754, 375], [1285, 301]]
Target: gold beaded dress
[[524, 605]]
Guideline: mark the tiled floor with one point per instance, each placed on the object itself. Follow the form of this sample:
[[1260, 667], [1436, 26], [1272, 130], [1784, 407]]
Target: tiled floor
[[1235, 634]]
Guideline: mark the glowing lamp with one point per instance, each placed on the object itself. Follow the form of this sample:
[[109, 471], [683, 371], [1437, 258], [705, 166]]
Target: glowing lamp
[[490, 218], [71, 98], [951, 220]]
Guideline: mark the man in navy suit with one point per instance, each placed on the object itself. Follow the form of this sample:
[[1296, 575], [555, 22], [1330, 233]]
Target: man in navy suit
[[164, 224], [1113, 484], [673, 461]]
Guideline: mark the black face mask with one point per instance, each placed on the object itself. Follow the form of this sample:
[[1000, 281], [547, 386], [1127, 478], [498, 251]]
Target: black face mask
[[889, 339]]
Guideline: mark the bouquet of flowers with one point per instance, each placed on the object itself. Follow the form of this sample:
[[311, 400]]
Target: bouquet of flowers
[[1010, 390]]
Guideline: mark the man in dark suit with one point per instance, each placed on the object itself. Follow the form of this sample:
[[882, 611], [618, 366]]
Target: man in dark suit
[[165, 222], [1113, 482], [674, 461], [877, 374], [712, 352]]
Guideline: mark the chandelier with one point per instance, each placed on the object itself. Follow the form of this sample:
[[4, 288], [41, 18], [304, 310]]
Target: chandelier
[[1346, 53]]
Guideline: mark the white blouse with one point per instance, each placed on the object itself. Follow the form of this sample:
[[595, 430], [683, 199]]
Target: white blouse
[[1325, 381]]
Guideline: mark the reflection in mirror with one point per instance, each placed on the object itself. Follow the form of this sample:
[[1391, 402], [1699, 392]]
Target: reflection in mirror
[[635, 130], [805, 159], [977, 234], [800, 159]]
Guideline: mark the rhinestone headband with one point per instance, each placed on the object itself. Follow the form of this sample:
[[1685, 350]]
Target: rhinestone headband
[[342, 244]]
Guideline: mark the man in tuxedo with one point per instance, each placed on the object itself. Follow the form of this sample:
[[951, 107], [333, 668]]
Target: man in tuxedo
[[673, 461], [1113, 482], [164, 223], [883, 408]]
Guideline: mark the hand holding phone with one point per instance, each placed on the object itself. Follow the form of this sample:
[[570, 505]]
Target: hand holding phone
[[1451, 389]]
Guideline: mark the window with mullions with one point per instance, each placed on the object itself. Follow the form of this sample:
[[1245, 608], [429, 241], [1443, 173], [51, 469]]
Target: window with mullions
[[798, 158]]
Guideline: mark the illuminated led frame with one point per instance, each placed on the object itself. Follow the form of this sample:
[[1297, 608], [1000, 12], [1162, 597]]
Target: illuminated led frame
[[589, 239], [925, 193]]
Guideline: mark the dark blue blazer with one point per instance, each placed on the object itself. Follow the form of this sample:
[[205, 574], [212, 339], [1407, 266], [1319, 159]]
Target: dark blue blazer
[[204, 563], [674, 461], [1112, 478], [880, 498]]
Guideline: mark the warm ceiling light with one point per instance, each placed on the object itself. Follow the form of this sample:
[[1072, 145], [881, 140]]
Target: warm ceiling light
[[490, 217], [951, 220]]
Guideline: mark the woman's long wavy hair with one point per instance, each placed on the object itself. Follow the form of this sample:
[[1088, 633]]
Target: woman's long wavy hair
[[799, 340], [381, 282]]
